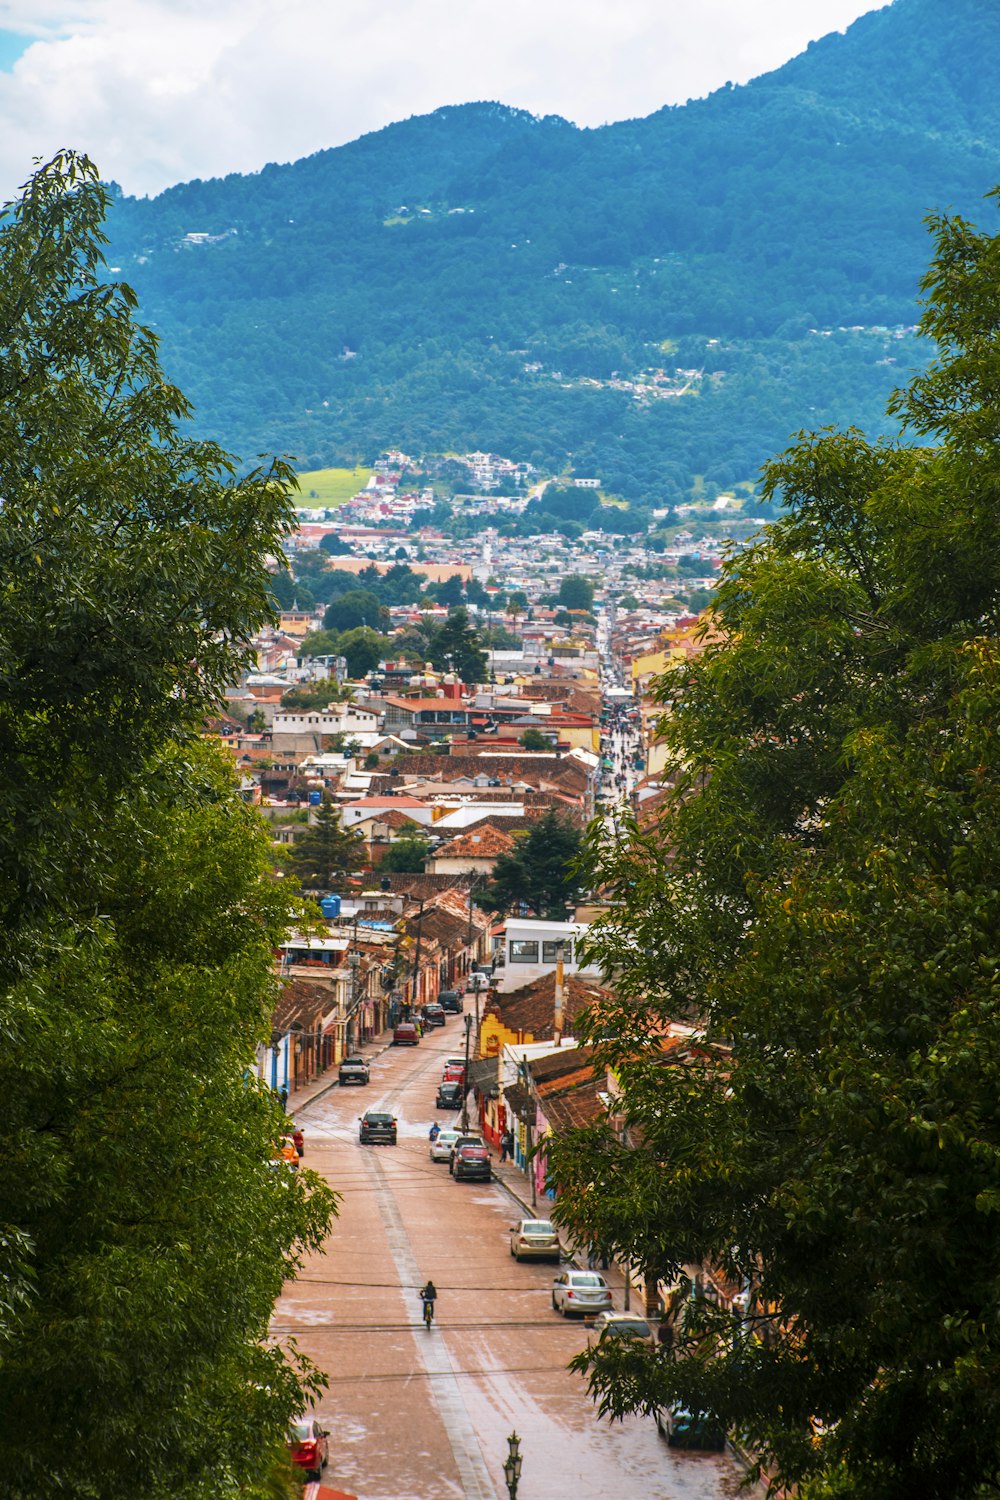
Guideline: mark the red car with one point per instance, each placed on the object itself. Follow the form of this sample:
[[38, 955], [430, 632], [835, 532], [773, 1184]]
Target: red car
[[405, 1035], [309, 1445]]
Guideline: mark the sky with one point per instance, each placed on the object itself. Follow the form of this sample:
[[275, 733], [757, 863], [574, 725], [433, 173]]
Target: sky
[[163, 91]]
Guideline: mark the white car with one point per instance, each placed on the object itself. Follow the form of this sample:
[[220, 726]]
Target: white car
[[534, 1239], [614, 1325], [581, 1292], [441, 1148]]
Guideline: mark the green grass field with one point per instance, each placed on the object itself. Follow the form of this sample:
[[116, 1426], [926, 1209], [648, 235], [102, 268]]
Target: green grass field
[[321, 487]]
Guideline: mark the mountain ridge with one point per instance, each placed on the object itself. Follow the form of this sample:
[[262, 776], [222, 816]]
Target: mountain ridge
[[403, 288]]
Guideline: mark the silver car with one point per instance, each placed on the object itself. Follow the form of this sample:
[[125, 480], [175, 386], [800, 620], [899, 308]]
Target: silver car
[[534, 1239], [441, 1148], [614, 1325], [581, 1292]]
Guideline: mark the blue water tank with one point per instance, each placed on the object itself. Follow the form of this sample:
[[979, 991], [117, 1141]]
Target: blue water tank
[[315, 798], [330, 907]]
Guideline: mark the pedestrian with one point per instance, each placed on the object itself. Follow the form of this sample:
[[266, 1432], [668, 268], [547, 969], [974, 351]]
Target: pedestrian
[[592, 1256], [299, 1140], [506, 1145], [283, 1097], [434, 1131]]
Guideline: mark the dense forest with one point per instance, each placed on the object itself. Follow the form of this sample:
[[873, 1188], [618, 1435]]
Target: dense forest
[[480, 277]]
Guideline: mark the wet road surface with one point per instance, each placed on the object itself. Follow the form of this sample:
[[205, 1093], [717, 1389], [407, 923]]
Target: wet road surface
[[417, 1414]]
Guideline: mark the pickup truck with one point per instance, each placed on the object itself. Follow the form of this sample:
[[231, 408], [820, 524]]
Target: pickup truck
[[353, 1070]]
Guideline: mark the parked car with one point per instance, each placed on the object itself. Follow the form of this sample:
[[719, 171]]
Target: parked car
[[449, 1095], [434, 1015], [477, 983], [465, 1138], [353, 1070], [612, 1325], [453, 1073], [441, 1148], [534, 1239], [685, 1429], [451, 1001], [309, 1446], [581, 1292], [471, 1163], [405, 1035], [377, 1126]]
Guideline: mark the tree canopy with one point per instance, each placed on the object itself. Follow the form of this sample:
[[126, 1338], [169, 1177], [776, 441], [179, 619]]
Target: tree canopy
[[541, 871], [144, 1235], [327, 852], [820, 902]]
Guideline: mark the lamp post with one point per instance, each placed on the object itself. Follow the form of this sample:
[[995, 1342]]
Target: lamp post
[[465, 1081], [512, 1465]]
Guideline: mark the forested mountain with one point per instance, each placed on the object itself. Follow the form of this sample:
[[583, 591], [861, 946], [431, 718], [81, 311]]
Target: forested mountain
[[476, 277]]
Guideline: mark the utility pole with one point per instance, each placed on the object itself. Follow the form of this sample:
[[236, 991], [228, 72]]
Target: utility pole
[[416, 956], [465, 1081], [557, 1020]]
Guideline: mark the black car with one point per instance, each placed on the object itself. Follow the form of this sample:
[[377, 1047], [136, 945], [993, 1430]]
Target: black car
[[449, 1096], [378, 1127], [451, 1001], [434, 1015]]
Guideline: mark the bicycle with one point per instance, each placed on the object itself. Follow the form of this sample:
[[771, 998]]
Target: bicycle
[[428, 1311]]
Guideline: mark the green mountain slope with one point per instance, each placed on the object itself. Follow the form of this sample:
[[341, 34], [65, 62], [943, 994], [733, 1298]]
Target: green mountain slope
[[479, 277]]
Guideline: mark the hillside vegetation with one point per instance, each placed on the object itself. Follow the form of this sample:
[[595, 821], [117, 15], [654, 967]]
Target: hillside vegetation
[[480, 277]]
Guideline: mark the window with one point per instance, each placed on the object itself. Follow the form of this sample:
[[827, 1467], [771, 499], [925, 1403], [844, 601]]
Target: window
[[550, 952], [523, 952]]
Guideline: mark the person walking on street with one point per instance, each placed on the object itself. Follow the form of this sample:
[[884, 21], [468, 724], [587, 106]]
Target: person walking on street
[[434, 1131], [506, 1145]]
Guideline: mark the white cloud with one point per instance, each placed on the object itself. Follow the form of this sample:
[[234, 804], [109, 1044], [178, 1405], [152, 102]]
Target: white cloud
[[160, 91]]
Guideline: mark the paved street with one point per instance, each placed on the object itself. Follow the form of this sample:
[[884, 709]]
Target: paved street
[[418, 1415]]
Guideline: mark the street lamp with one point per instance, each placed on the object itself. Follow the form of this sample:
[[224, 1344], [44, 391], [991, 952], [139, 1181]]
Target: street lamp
[[465, 1084], [512, 1467]]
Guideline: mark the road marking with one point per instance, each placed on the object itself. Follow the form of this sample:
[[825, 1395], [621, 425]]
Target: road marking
[[433, 1355]]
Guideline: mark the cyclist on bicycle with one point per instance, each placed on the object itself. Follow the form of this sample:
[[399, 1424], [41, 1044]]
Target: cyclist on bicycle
[[428, 1297]]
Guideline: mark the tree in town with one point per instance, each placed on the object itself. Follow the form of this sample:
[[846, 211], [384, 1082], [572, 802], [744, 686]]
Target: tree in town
[[358, 607], [516, 605], [534, 739], [144, 1235], [576, 592], [456, 647], [363, 650], [327, 853], [407, 855], [820, 902], [541, 871]]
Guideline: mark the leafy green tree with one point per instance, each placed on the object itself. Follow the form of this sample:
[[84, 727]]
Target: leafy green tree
[[310, 695], [541, 871], [335, 544], [821, 901], [359, 607], [534, 739], [450, 592], [456, 648], [407, 855], [137, 906], [362, 650], [576, 592], [327, 852]]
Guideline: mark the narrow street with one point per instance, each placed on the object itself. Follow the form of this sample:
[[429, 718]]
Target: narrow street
[[425, 1415]]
